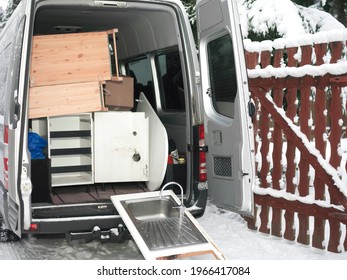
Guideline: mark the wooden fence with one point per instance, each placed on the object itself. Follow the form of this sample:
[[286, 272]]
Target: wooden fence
[[300, 129]]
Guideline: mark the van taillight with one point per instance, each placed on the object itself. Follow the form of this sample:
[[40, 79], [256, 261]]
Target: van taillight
[[6, 134], [6, 157], [202, 155], [33, 227]]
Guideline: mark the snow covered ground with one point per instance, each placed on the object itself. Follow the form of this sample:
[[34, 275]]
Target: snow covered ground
[[237, 242], [228, 230]]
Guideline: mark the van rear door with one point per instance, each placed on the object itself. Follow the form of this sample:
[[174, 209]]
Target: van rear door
[[228, 127], [19, 187]]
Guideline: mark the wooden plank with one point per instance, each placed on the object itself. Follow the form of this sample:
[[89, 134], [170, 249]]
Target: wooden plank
[[70, 58], [335, 111], [319, 186], [305, 81], [189, 255], [302, 208], [334, 138], [65, 99], [276, 222], [291, 97], [319, 130], [114, 40], [304, 114], [264, 130]]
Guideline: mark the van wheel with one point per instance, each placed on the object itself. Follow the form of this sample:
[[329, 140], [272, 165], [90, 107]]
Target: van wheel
[[6, 234]]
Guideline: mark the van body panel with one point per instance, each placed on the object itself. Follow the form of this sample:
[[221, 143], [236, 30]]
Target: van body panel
[[228, 128]]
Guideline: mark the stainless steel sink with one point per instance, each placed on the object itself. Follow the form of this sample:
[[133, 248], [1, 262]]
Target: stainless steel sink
[[153, 209], [161, 223]]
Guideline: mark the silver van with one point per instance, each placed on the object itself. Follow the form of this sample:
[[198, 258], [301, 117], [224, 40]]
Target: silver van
[[200, 99]]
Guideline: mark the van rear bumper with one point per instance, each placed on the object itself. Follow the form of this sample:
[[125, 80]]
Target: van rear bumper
[[73, 224]]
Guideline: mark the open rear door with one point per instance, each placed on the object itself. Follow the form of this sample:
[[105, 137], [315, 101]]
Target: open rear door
[[18, 183], [228, 127]]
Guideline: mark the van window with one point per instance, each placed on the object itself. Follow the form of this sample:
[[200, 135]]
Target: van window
[[222, 75], [140, 70], [171, 81]]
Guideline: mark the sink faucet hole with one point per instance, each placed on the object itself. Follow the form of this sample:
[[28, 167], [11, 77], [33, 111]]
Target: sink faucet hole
[[136, 157]]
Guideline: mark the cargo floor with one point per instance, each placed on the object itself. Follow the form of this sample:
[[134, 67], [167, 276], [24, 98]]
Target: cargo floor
[[93, 193]]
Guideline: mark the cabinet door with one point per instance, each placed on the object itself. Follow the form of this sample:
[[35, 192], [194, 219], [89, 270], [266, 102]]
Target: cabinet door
[[121, 147]]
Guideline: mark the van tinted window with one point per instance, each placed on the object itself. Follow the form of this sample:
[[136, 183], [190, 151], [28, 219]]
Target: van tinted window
[[140, 70], [171, 81], [222, 75]]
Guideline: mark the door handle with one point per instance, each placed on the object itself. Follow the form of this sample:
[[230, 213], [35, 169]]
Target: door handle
[[209, 92], [15, 114], [251, 108]]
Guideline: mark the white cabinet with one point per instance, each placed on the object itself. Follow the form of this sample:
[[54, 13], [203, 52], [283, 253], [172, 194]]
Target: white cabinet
[[121, 147], [70, 148]]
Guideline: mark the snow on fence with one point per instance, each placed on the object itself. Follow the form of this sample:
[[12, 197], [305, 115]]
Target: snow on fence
[[298, 87]]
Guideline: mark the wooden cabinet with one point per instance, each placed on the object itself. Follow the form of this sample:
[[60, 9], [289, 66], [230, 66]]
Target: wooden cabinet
[[68, 71], [114, 147], [65, 99], [70, 58], [70, 148]]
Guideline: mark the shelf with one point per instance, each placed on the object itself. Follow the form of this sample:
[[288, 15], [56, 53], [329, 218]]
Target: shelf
[[71, 151], [70, 169], [68, 134], [72, 179]]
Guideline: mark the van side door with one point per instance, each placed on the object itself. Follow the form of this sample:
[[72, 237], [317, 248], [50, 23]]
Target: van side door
[[17, 182], [228, 126]]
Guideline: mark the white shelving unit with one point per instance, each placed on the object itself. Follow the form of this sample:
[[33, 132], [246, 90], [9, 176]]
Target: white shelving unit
[[70, 148]]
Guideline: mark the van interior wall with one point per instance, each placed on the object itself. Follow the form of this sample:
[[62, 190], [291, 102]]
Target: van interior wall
[[140, 30]]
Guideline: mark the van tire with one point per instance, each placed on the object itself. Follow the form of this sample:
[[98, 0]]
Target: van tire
[[6, 234]]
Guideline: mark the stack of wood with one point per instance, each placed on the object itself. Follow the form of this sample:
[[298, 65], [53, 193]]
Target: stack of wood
[[68, 72]]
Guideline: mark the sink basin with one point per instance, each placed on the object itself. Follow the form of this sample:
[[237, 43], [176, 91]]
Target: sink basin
[[154, 209], [162, 229], [161, 223]]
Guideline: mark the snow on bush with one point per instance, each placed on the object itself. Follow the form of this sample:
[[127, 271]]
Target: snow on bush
[[270, 19]]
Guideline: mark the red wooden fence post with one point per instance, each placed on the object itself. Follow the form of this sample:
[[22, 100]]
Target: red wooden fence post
[[291, 97], [303, 188], [276, 223], [334, 138], [319, 130], [264, 131]]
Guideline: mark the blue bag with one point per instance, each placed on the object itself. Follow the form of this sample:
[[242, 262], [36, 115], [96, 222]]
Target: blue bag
[[36, 144]]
